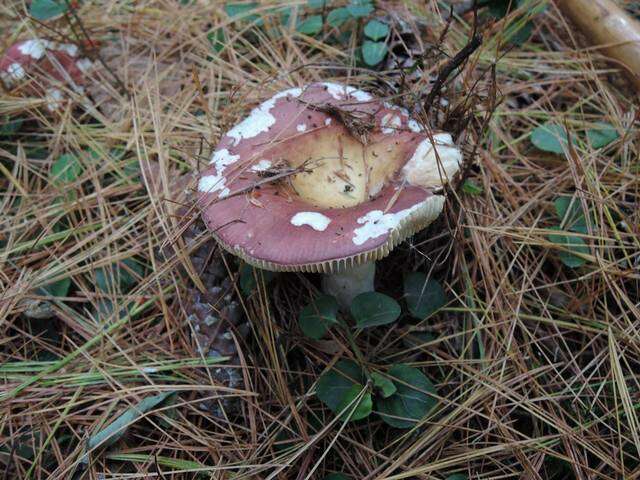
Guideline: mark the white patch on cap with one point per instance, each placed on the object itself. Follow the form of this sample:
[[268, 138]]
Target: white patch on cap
[[260, 119], [414, 126], [34, 48], [68, 48], [315, 220], [84, 64], [390, 123], [53, 96], [13, 73], [327, 121], [391, 106], [302, 127], [424, 169], [261, 166], [339, 92], [214, 183]]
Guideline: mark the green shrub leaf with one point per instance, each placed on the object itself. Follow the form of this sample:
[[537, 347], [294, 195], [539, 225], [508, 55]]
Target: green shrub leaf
[[248, 275], [353, 412], [46, 9], [373, 52], [550, 137], [57, 289], [317, 317], [383, 384], [471, 187], [359, 9], [424, 295], [337, 476], [335, 384], [570, 213], [119, 277], [572, 246], [603, 135], [311, 26], [66, 169], [411, 402], [338, 16], [376, 30], [372, 309]]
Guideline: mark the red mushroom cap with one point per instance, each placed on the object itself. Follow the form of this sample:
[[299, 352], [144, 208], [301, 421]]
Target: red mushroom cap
[[323, 177], [38, 66]]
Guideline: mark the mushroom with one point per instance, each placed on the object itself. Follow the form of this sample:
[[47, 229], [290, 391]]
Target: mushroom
[[324, 178], [42, 67]]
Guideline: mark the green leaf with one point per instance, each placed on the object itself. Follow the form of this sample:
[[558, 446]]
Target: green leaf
[[217, 39], [66, 169], [376, 30], [500, 8], [240, 9], [110, 434], [316, 3], [373, 52], [570, 213], [317, 317], [457, 476], [603, 135], [57, 289], [574, 245], [358, 9], [412, 400], [386, 386], [9, 126], [125, 274], [334, 385], [471, 187], [248, 275], [372, 309], [550, 137], [353, 412], [338, 16], [424, 295], [311, 26], [518, 33], [46, 9]]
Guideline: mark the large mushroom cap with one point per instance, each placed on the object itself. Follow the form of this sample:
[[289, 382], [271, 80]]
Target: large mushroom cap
[[41, 67], [323, 177]]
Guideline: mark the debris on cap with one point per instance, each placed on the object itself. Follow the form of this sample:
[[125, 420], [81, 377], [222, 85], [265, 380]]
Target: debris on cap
[[45, 69], [323, 178]]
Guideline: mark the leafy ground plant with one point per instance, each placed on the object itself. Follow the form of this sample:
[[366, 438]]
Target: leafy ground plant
[[527, 368]]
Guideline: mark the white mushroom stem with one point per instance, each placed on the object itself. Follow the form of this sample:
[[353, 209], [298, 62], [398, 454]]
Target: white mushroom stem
[[349, 283]]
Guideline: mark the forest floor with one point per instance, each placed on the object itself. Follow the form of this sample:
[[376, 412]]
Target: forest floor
[[533, 269]]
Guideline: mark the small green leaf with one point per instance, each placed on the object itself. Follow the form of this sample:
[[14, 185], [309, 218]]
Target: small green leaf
[[46, 9], [372, 309], [217, 39], [317, 317], [457, 476], [66, 169], [334, 385], [471, 187], [338, 16], [119, 277], [359, 9], [351, 411], [386, 386], [570, 213], [248, 275], [316, 3], [550, 137], [376, 30], [424, 295], [574, 245], [240, 9], [311, 26], [603, 135], [411, 402], [9, 126], [110, 434], [373, 52], [57, 289]]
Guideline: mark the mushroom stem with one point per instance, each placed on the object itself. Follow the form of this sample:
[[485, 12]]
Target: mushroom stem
[[347, 284]]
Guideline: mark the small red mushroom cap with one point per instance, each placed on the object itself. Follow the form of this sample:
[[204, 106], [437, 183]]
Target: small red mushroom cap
[[41, 67], [323, 177]]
